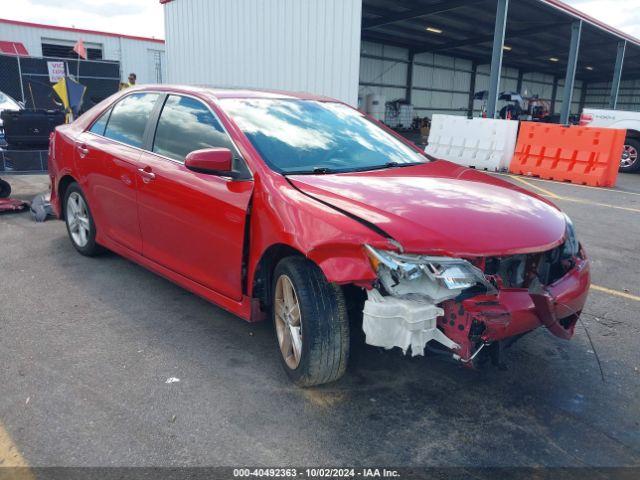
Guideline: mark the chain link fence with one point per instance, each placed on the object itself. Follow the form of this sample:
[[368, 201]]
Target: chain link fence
[[101, 77], [26, 79]]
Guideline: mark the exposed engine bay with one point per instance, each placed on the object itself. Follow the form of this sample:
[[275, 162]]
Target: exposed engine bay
[[465, 305]]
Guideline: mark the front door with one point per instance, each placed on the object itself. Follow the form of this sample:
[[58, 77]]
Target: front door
[[192, 223]]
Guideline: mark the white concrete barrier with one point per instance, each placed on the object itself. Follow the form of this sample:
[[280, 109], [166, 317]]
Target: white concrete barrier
[[481, 143]]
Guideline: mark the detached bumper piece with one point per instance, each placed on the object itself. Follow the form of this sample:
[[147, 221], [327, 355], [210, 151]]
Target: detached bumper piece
[[516, 311]]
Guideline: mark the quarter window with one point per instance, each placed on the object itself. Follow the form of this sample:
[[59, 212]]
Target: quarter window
[[186, 125], [129, 118], [100, 124]]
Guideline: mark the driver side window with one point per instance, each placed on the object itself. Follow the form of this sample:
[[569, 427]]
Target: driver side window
[[186, 125]]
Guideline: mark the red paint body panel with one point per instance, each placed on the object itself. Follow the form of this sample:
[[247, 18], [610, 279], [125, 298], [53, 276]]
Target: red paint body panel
[[192, 227], [108, 173]]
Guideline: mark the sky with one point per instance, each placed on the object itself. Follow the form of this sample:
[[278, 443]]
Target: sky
[[145, 17]]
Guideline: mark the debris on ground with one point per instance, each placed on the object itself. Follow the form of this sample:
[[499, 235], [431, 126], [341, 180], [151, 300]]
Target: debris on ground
[[8, 205], [41, 207]]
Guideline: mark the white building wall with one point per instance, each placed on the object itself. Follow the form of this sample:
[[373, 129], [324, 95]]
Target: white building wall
[[296, 45], [133, 54]]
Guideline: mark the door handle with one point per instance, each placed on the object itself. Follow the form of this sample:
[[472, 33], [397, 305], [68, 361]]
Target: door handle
[[146, 174], [83, 150]]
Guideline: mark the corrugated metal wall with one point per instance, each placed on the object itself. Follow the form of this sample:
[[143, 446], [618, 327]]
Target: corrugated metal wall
[[597, 95], [298, 45], [441, 84], [133, 55]]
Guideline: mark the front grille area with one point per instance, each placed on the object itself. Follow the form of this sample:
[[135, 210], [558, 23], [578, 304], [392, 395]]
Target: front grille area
[[521, 271]]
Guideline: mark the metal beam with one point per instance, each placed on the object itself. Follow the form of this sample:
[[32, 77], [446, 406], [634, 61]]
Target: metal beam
[[572, 65], [440, 7], [496, 56], [472, 89], [409, 92], [554, 95], [520, 78], [617, 74], [583, 96]]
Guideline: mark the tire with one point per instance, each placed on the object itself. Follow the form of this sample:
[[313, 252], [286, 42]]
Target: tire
[[5, 189], [322, 319], [630, 161], [85, 243]]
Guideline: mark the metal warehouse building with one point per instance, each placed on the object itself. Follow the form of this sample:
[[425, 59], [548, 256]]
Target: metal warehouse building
[[433, 53], [144, 56]]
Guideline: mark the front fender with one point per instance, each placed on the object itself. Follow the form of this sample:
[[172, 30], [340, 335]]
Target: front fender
[[282, 215]]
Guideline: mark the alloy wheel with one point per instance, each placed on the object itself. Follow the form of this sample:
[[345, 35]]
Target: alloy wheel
[[629, 156], [77, 216], [288, 321]]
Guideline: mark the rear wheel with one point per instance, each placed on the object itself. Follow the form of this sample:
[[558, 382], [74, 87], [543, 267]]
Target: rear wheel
[[630, 161], [311, 323], [80, 224]]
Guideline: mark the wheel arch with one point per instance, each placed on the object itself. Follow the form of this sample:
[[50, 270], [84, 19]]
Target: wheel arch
[[635, 134], [63, 185], [261, 284]]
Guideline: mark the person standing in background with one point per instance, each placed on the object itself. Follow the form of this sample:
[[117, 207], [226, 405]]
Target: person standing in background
[[132, 81]]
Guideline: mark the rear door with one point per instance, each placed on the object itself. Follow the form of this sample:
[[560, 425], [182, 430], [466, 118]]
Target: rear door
[[193, 223], [108, 156]]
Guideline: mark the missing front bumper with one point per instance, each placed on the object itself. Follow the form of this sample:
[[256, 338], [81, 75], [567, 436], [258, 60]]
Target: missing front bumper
[[465, 325]]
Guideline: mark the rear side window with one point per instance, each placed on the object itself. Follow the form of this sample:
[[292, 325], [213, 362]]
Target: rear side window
[[100, 124], [186, 125], [129, 118]]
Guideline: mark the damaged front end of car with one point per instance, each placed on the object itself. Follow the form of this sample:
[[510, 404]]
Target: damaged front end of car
[[464, 305]]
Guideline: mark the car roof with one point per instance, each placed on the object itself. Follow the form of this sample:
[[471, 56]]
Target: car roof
[[220, 93]]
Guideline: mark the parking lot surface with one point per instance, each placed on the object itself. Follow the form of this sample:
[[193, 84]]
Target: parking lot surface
[[104, 363]]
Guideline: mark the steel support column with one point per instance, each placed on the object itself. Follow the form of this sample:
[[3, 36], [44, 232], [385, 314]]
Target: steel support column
[[472, 89], [554, 96], [496, 56], [409, 92], [583, 96], [520, 80], [617, 75], [572, 65]]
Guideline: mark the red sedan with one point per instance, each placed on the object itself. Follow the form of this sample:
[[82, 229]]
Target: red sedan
[[303, 209]]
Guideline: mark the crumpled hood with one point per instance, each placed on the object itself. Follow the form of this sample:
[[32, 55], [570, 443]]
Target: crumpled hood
[[440, 208]]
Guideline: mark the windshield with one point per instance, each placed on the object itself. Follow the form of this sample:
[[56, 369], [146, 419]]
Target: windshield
[[307, 136], [8, 103]]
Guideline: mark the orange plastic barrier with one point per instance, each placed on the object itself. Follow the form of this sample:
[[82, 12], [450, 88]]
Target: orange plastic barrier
[[583, 155]]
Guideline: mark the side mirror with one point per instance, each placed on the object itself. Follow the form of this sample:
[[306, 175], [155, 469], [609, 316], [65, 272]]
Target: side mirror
[[215, 161]]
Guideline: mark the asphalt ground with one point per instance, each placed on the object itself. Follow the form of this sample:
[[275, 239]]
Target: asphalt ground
[[87, 346]]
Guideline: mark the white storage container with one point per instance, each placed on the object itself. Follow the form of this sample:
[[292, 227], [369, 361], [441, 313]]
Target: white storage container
[[376, 105]]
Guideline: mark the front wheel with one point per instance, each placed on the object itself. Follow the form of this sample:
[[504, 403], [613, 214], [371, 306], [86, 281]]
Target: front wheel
[[311, 323], [630, 161]]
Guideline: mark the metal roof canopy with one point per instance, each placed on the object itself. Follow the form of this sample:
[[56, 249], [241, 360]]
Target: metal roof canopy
[[537, 37], [537, 30]]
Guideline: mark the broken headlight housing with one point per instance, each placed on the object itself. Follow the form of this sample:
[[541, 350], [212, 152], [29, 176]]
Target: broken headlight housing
[[397, 270], [571, 247]]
